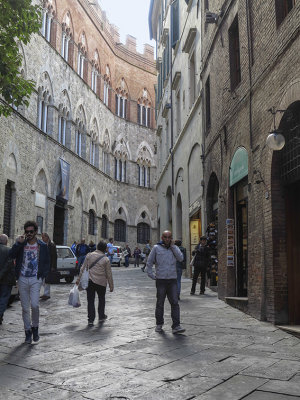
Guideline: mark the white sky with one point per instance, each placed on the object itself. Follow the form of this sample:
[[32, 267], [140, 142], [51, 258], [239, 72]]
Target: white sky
[[131, 16]]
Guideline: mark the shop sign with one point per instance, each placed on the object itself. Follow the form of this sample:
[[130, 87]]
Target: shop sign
[[238, 166], [230, 242]]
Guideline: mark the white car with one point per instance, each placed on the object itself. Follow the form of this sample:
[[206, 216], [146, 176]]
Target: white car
[[118, 257], [66, 263]]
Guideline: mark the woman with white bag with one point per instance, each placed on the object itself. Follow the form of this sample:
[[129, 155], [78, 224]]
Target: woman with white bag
[[98, 266]]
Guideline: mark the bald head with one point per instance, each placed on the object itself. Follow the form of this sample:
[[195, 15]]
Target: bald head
[[166, 237], [3, 239]]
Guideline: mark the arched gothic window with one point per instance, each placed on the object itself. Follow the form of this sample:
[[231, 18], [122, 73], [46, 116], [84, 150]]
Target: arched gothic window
[[120, 230], [44, 100], [143, 233], [92, 222], [104, 227]]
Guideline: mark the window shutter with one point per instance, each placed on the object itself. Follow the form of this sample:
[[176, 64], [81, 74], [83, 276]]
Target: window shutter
[[174, 23]]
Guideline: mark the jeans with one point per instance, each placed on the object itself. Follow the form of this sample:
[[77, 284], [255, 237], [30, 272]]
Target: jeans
[[179, 274], [110, 257], [90, 292], [167, 287], [29, 289], [126, 261], [80, 260], [46, 288], [5, 291], [197, 272]]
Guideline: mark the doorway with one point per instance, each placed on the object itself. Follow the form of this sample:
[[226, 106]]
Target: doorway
[[242, 239], [59, 222], [293, 250]]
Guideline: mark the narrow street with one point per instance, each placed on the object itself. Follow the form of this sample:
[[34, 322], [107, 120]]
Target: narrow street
[[224, 354]]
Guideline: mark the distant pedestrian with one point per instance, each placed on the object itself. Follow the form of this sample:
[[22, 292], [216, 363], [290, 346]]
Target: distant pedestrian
[[137, 254], [165, 254], [81, 251], [201, 262], [146, 251], [110, 249], [99, 275], [32, 266], [7, 275], [127, 252], [92, 246], [73, 247], [180, 265], [53, 265]]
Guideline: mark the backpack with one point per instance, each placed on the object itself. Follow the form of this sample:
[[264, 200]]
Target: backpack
[[146, 250]]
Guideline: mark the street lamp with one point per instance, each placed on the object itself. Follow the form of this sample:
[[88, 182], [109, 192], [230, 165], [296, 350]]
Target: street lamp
[[275, 140]]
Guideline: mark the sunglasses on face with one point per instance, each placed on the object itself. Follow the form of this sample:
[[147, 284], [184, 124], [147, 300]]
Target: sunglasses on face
[[29, 232]]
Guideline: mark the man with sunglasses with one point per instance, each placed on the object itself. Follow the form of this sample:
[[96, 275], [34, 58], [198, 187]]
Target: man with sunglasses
[[32, 266], [164, 255]]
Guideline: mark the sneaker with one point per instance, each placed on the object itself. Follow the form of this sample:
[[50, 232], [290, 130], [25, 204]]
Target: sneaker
[[158, 328], [45, 297], [103, 319], [90, 323], [178, 329], [35, 334], [28, 338]]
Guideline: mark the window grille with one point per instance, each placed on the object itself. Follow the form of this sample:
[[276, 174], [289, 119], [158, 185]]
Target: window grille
[[120, 230], [143, 233]]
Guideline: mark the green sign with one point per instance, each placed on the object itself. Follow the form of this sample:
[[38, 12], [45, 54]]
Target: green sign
[[238, 166]]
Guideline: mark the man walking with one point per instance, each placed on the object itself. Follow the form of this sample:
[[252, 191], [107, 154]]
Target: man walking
[[165, 254], [32, 266], [110, 250], [146, 251], [53, 265], [81, 251], [7, 275], [201, 261], [127, 253]]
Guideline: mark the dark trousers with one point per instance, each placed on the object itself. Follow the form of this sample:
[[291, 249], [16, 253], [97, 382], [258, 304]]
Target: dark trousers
[[91, 290], [167, 287], [5, 291], [126, 261], [197, 272]]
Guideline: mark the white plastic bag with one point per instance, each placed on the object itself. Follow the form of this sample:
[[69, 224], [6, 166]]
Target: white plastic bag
[[84, 281], [74, 298], [192, 261]]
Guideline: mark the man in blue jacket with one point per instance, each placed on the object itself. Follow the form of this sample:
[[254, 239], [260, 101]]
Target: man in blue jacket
[[165, 254], [32, 266]]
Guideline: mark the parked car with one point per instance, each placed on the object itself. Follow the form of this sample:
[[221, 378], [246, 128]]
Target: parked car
[[66, 263], [118, 256]]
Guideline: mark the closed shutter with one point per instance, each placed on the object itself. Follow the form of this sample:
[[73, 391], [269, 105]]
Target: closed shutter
[[174, 23], [7, 209]]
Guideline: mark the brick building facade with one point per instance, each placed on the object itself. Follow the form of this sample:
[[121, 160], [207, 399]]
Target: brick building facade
[[247, 69], [250, 71], [81, 158]]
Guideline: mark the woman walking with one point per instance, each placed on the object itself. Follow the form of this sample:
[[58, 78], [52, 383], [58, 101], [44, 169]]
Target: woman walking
[[100, 274]]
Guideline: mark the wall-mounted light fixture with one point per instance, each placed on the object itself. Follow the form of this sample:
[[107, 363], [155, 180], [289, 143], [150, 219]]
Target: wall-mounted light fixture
[[275, 140], [212, 18]]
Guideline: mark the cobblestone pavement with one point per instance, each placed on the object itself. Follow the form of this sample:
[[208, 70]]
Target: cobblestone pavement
[[224, 354]]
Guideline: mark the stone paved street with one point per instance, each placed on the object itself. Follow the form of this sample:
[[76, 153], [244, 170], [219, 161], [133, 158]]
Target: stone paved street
[[224, 353]]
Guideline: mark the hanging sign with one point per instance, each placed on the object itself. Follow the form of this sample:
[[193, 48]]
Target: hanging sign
[[65, 177], [230, 242]]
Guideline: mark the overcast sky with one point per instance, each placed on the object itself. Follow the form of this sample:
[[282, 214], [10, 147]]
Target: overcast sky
[[131, 16]]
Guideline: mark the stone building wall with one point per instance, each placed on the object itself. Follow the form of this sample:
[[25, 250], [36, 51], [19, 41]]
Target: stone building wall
[[30, 158]]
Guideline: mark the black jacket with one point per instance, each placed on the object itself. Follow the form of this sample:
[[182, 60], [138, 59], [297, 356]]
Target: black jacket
[[7, 267], [201, 254]]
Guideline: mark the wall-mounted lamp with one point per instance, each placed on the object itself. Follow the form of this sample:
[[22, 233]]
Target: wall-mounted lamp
[[275, 140], [212, 18]]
